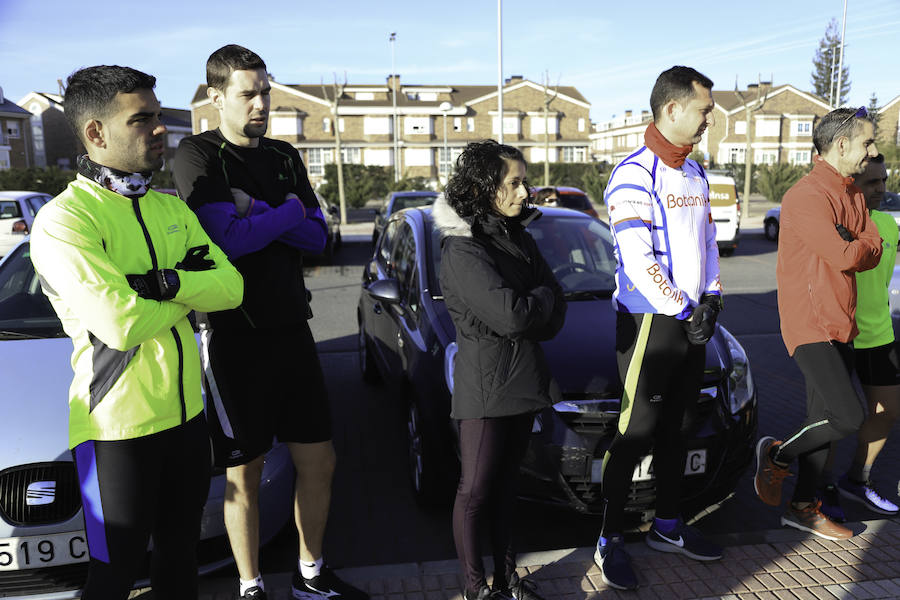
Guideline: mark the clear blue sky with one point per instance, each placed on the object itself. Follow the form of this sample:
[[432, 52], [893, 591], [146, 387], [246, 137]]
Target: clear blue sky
[[611, 51]]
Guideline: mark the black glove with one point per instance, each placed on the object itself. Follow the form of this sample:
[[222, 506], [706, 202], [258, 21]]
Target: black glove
[[702, 322], [842, 231], [309, 313], [155, 285], [195, 259]]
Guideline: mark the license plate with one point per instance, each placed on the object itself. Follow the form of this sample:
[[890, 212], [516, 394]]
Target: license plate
[[694, 464], [43, 551]]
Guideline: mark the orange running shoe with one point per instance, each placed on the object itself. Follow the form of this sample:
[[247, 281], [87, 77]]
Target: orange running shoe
[[812, 520], [769, 476]]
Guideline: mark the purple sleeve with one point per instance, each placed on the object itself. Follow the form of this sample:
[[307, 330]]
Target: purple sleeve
[[310, 234], [262, 225]]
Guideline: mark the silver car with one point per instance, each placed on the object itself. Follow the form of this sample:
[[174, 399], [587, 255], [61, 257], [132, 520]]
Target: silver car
[[890, 205], [43, 549], [17, 210]]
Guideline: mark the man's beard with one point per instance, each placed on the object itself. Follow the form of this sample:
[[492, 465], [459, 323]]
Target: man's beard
[[255, 131]]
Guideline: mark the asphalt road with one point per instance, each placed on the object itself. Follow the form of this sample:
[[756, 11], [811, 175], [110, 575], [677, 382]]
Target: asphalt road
[[374, 519]]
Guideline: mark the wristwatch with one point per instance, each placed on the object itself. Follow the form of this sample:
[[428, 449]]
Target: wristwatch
[[169, 283]]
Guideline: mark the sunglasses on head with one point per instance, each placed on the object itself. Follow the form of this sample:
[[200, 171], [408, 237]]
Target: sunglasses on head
[[861, 113]]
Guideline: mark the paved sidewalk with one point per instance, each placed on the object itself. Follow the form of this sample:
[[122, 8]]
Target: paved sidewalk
[[776, 564]]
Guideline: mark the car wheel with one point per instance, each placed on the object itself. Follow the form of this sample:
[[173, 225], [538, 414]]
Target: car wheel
[[771, 229], [338, 241], [427, 456], [364, 352], [726, 251]]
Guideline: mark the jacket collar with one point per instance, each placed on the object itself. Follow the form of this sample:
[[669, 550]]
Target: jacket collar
[[450, 223], [829, 175]]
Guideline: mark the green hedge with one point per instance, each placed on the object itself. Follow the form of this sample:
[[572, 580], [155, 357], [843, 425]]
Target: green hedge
[[48, 180]]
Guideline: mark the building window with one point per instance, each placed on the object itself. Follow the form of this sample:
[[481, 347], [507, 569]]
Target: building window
[[801, 157], [470, 125], [740, 127], [317, 158], [417, 125], [341, 124], [766, 157], [418, 157], [447, 160], [571, 154], [377, 125], [365, 96], [457, 124], [12, 129], [538, 155], [631, 140], [768, 127], [351, 156], [537, 125], [287, 126], [581, 124], [802, 128], [737, 155], [383, 157], [510, 125], [204, 125], [326, 125]]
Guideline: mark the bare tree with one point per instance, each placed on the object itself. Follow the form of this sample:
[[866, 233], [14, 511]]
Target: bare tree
[[757, 105], [338, 90], [548, 98]]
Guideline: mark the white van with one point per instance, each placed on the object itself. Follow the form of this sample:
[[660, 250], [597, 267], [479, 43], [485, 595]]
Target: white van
[[725, 204]]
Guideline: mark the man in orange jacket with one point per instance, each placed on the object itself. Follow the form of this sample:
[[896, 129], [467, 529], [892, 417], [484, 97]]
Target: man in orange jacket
[[826, 237]]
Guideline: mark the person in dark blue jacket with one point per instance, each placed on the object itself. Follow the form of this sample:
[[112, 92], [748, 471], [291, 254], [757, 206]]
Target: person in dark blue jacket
[[263, 376]]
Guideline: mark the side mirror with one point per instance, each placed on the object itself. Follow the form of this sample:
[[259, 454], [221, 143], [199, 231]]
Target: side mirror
[[385, 290], [334, 209]]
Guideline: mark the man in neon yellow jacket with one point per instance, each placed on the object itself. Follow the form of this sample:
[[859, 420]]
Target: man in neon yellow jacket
[[123, 266]]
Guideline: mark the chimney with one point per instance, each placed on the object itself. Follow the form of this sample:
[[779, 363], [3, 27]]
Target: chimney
[[627, 113], [752, 86], [514, 79], [765, 86], [393, 83], [645, 114]]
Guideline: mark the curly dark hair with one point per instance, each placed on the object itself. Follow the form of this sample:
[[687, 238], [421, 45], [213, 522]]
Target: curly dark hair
[[480, 170]]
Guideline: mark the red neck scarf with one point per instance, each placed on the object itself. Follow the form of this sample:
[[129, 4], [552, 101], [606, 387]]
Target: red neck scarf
[[673, 156]]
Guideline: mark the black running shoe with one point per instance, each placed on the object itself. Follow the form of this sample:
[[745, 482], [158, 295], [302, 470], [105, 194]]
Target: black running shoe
[[615, 564], [325, 585], [684, 539], [256, 593], [485, 593], [523, 589]]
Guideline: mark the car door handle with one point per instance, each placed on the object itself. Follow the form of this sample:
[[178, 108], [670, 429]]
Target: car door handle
[[377, 308], [399, 340]]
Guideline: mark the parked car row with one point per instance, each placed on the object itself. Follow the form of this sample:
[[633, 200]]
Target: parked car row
[[407, 339], [17, 210], [772, 221]]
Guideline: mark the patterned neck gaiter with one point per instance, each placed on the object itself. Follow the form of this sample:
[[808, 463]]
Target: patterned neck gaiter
[[130, 185]]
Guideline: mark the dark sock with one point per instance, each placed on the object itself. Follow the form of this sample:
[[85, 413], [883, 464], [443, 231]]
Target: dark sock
[[665, 525], [773, 454]]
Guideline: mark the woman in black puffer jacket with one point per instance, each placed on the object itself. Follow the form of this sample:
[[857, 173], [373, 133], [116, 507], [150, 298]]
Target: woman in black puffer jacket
[[504, 300]]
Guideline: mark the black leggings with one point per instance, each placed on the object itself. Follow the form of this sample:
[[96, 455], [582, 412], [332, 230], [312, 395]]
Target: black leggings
[[491, 451], [134, 489], [833, 411], [661, 372]]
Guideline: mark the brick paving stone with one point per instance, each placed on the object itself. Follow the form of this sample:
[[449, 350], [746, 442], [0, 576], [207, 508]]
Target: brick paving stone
[[644, 593], [766, 595], [877, 589], [785, 595], [787, 580], [857, 591], [804, 593], [835, 575], [892, 551], [696, 571], [822, 592], [891, 569], [682, 591], [820, 576], [768, 582], [431, 582], [814, 545], [736, 552], [399, 596], [412, 584], [871, 538], [832, 559], [669, 575], [803, 578], [376, 587], [829, 544], [845, 544], [434, 595], [738, 569], [879, 554], [698, 588], [649, 577], [800, 562], [450, 581], [852, 572], [816, 560], [767, 551], [593, 570], [736, 585], [892, 588], [597, 580], [848, 557], [837, 591], [393, 585], [413, 596], [753, 583], [719, 586], [566, 585], [664, 592], [869, 571], [781, 563]]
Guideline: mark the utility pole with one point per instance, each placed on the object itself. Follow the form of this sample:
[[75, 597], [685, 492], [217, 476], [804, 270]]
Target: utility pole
[[547, 100], [336, 123], [500, 66], [748, 157], [393, 80], [831, 102], [837, 101]]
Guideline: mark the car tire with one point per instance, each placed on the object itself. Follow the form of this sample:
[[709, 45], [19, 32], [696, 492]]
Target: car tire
[[770, 227], [726, 251], [338, 241], [428, 461], [364, 353]]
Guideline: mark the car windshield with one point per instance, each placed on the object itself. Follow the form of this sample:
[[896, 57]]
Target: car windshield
[[576, 201], [578, 250], [401, 202], [24, 309]]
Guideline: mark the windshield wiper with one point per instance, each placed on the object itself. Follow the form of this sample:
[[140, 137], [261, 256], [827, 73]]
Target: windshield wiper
[[588, 295], [18, 335]]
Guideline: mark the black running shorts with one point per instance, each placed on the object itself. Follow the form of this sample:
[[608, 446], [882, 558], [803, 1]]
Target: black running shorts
[[263, 384], [879, 365]]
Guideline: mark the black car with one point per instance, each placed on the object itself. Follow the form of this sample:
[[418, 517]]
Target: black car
[[406, 338], [397, 201]]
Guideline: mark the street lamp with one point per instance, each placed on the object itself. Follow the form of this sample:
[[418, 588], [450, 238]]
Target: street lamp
[[445, 107], [393, 81]]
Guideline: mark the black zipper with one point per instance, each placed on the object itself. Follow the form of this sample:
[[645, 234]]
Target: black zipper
[[135, 202]]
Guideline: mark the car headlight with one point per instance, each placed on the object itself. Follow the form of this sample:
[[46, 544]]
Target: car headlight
[[740, 380]]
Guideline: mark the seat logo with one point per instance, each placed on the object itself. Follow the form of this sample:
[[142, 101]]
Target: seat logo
[[40, 493]]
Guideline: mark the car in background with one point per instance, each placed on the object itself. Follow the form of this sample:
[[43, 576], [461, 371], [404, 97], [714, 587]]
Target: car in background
[[17, 211], [396, 201], [725, 206], [890, 205], [407, 339], [43, 549], [332, 214], [572, 198]]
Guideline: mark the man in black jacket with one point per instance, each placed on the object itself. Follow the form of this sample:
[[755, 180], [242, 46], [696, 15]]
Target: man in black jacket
[[263, 376]]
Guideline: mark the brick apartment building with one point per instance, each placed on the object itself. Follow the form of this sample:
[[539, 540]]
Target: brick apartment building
[[889, 122], [55, 144], [15, 135], [781, 123], [302, 115]]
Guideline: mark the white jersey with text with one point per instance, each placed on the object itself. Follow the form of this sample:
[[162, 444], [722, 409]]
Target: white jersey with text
[[665, 238]]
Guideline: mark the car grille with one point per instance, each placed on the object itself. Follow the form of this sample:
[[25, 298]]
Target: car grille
[[63, 503], [42, 581]]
